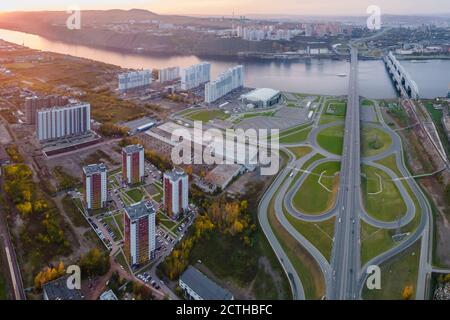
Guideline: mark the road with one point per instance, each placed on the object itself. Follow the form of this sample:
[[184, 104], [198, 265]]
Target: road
[[345, 260], [10, 256]]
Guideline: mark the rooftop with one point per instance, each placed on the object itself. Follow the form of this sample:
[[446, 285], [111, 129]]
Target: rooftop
[[68, 106], [260, 94], [139, 210], [108, 295], [203, 286], [57, 290], [175, 174], [94, 168], [133, 148]]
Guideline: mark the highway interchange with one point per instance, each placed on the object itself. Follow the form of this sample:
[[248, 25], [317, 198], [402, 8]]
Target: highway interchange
[[343, 275]]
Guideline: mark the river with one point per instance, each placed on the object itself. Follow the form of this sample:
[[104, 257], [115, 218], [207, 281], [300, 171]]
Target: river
[[319, 77]]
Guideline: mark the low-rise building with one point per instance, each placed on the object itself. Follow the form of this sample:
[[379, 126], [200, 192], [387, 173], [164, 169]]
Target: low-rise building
[[59, 290], [262, 98], [197, 286], [108, 295]]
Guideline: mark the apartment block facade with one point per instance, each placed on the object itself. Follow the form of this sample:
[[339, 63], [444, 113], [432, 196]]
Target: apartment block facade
[[60, 122], [135, 80], [140, 232], [133, 164], [176, 192], [95, 183], [33, 104], [224, 84], [193, 76]]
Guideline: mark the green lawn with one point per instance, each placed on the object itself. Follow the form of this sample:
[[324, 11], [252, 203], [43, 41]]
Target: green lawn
[[336, 108], [304, 264], [300, 152], [390, 163], [332, 139], [396, 274], [367, 103], [374, 241], [386, 206], [312, 197], [374, 141], [319, 234], [294, 129], [135, 194], [297, 137], [313, 159], [207, 115]]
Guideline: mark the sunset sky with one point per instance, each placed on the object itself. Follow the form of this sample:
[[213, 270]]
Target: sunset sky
[[241, 7]]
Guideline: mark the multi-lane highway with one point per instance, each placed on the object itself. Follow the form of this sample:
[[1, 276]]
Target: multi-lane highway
[[345, 257]]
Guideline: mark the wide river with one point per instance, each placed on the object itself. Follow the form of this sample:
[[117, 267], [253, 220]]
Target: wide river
[[319, 77]]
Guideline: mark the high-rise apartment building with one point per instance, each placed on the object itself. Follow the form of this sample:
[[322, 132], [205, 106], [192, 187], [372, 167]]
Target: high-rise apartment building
[[176, 192], [95, 183], [140, 232], [224, 84], [195, 75], [135, 80], [33, 104], [168, 74], [133, 164], [60, 122]]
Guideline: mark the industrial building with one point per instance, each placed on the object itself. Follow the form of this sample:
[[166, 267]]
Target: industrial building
[[95, 183], [197, 286], [224, 84], [135, 80], [133, 164], [140, 233], [176, 192], [63, 121], [193, 76], [168, 74], [261, 98], [33, 104]]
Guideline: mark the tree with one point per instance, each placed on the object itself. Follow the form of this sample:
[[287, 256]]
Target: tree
[[94, 263], [407, 292]]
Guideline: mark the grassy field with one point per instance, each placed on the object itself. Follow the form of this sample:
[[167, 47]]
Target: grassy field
[[332, 139], [294, 129], [319, 234], [136, 194], [4, 287], [374, 241], [388, 205], [305, 265], [312, 197], [390, 163], [374, 141], [396, 274], [207, 115], [336, 108], [313, 159], [297, 137], [300, 152]]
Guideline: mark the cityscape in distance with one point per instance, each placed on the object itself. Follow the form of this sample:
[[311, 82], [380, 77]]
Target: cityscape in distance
[[202, 150]]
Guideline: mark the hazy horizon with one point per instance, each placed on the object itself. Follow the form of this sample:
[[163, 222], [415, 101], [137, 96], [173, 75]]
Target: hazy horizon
[[240, 7]]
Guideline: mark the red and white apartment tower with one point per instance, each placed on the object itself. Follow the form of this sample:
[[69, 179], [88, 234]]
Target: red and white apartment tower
[[133, 162], [95, 181], [140, 233], [176, 192]]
